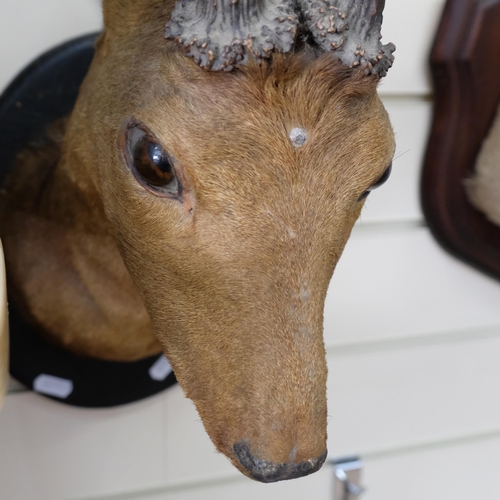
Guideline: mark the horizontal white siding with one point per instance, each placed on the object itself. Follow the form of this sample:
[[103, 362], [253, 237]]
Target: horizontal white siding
[[413, 341], [241, 488], [52, 452], [411, 25], [444, 470], [395, 282], [453, 470], [29, 27]]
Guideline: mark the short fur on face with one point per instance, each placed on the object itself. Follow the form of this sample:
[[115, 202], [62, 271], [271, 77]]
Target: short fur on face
[[234, 275]]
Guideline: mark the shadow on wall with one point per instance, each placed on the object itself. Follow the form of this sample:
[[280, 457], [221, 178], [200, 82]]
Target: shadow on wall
[[4, 331]]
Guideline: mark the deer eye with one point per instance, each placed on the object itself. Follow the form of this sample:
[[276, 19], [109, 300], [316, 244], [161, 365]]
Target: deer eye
[[150, 163], [382, 180]]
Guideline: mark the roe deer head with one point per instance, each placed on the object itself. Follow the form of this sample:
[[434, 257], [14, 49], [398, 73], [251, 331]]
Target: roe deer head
[[221, 197]]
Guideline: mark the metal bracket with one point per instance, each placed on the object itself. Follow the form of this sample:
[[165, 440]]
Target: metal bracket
[[347, 482]]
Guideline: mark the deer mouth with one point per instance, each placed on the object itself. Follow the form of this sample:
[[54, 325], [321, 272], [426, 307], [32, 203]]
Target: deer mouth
[[266, 471]]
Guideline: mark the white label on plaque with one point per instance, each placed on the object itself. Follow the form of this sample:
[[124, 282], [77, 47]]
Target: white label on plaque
[[53, 386], [161, 369]]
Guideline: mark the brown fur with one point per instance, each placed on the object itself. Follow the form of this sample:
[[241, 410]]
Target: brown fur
[[234, 278]]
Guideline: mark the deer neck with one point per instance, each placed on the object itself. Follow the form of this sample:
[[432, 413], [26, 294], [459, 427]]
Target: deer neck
[[65, 269], [66, 272]]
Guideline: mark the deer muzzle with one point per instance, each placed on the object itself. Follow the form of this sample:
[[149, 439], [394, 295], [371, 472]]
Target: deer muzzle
[[270, 472]]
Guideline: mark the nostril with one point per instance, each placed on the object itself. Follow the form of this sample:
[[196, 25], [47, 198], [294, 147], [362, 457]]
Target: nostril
[[270, 472]]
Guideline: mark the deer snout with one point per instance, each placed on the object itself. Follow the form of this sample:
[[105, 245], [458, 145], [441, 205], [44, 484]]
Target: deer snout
[[270, 472]]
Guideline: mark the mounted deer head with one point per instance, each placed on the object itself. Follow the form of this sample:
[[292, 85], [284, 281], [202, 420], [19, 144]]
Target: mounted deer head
[[221, 200]]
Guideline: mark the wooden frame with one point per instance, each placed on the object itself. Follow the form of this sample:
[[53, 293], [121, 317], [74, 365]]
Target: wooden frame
[[466, 74]]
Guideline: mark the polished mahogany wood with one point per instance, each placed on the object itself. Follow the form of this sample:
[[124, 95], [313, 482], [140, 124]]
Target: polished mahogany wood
[[466, 74]]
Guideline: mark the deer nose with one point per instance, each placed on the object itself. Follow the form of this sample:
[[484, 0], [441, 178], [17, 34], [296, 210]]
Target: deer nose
[[270, 472]]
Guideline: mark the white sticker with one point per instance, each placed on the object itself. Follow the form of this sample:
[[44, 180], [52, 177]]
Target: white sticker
[[161, 369], [53, 386]]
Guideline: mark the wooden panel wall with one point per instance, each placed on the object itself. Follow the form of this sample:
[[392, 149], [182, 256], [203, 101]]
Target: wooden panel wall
[[413, 339]]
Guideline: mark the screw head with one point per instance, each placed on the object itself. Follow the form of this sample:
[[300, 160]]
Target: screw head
[[298, 136]]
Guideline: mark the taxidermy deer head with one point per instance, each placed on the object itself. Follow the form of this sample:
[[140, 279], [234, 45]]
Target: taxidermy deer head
[[210, 176]]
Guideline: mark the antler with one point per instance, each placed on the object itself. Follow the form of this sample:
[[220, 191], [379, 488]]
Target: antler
[[219, 34], [352, 28]]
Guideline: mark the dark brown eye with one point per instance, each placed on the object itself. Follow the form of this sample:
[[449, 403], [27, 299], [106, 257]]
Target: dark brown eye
[[151, 164], [382, 180]]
